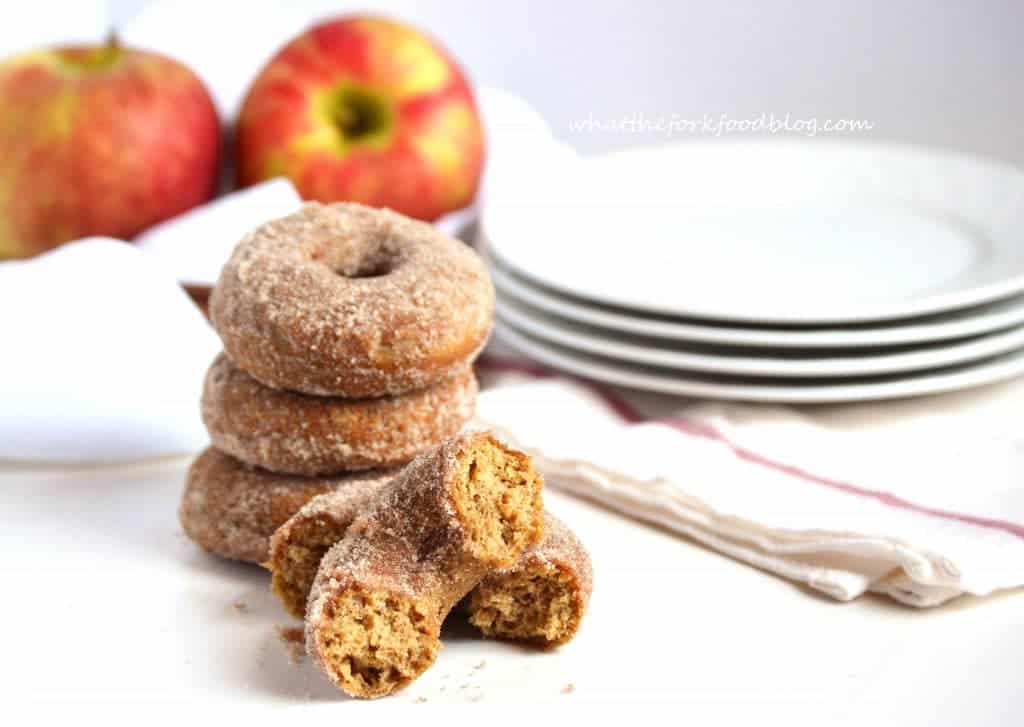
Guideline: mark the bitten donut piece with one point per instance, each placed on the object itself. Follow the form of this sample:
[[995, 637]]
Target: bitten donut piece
[[379, 596], [298, 546], [540, 600], [347, 300], [310, 435], [543, 597], [232, 509]]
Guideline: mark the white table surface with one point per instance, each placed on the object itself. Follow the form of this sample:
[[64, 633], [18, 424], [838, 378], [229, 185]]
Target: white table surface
[[109, 607]]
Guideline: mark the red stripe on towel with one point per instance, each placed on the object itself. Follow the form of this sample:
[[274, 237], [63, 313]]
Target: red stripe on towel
[[629, 414]]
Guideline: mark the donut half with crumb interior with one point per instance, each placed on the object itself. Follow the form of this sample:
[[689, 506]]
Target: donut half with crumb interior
[[375, 609], [543, 597], [540, 600]]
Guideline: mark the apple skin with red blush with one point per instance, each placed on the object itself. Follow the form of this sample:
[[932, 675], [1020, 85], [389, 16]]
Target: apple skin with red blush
[[100, 140], [368, 110]]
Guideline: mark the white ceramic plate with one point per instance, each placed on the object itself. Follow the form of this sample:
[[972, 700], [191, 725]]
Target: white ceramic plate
[[963, 323], [649, 378], [772, 232], [742, 362]]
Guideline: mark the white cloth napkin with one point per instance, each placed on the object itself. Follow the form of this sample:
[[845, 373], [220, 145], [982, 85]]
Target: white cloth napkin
[[194, 246], [921, 500], [103, 357]]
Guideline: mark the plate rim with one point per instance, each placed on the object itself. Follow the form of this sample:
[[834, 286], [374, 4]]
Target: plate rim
[[589, 313], [916, 307], [991, 371], [973, 349]]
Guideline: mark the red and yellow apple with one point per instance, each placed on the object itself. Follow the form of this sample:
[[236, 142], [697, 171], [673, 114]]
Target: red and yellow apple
[[101, 140], [367, 110]]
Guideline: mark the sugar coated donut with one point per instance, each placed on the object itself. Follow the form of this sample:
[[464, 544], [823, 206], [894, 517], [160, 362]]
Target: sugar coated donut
[[379, 596], [543, 597], [347, 300], [540, 600], [313, 435], [232, 509]]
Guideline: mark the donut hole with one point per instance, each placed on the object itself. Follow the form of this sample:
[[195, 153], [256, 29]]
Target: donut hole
[[498, 497], [369, 268], [375, 642], [535, 602], [355, 264]]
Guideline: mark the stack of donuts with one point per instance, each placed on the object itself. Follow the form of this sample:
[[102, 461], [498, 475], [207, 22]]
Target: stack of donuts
[[349, 335], [339, 461]]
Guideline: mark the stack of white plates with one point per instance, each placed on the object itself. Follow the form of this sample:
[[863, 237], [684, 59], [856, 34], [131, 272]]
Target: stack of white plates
[[801, 272]]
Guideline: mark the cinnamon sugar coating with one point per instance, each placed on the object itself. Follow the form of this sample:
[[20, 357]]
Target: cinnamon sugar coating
[[232, 509], [299, 434], [347, 300], [379, 596], [541, 599]]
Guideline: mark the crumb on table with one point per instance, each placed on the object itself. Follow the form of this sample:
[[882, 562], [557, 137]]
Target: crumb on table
[[294, 639]]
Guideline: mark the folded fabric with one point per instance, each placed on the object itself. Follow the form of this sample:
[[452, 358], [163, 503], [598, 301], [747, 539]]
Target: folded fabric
[[194, 246], [104, 357], [907, 499]]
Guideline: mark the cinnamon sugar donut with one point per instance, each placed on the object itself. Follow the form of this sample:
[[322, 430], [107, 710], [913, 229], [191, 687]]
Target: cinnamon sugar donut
[[379, 596], [310, 435], [232, 509], [347, 300], [540, 600]]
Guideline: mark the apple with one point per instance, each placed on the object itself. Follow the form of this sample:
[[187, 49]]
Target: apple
[[100, 140], [367, 110]]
